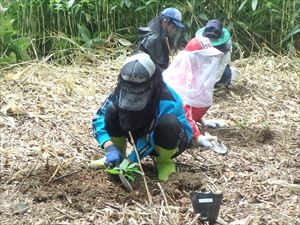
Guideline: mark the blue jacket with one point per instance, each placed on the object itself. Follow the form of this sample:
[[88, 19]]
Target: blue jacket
[[170, 103]]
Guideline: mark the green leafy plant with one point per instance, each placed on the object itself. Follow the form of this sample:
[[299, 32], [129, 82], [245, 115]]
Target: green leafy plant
[[91, 24], [128, 169], [12, 47]]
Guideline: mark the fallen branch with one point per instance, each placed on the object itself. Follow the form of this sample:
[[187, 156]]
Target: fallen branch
[[113, 206], [293, 187], [55, 172], [30, 172], [62, 212], [143, 174], [171, 218], [66, 175]]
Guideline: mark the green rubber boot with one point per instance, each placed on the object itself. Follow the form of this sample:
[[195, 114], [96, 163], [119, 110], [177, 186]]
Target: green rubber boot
[[120, 142], [164, 163]]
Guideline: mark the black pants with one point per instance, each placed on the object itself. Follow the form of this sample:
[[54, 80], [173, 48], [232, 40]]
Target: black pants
[[168, 131]]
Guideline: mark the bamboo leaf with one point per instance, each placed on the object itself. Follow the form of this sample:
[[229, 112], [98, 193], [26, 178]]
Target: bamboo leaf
[[254, 4], [84, 33], [70, 3], [124, 42], [151, 1], [242, 5], [140, 8], [2, 9], [190, 6], [128, 3], [291, 33], [8, 60], [203, 16]]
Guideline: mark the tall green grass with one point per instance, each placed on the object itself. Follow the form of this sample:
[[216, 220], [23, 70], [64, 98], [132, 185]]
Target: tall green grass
[[61, 25]]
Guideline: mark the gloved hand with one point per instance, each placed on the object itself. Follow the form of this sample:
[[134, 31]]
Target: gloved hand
[[213, 123], [113, 156], [206, 140]]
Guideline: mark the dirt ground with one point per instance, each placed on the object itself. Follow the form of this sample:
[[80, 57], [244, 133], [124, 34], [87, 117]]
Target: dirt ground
[[46, 144]]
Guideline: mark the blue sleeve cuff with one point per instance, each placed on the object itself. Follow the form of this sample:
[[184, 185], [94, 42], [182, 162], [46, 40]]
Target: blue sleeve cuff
[[102, 139]]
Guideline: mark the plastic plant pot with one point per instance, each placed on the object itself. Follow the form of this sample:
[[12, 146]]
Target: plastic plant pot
[[207, 204]]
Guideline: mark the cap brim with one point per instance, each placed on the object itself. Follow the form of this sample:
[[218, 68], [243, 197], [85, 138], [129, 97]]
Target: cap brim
[[133, 101], [216, 42], [178, 23]]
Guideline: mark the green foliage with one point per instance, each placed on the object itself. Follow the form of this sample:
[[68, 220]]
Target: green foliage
[[253, 24], [128, 169], [91, 24], [12, 47]]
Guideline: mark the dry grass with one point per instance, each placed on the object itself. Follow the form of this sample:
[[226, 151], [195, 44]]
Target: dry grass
[[46, 143]]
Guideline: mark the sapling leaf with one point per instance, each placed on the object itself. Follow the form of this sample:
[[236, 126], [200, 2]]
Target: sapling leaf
[[113, 171], [132, 165], [129, 177], [124, 164], [136, 171], [127, 169]]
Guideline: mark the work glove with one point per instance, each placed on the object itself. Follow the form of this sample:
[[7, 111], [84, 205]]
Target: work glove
[[206, 140], [214, 123], [113, 156]]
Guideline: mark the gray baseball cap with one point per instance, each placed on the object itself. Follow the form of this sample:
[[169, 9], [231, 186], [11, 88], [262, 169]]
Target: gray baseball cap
[[135, 86]]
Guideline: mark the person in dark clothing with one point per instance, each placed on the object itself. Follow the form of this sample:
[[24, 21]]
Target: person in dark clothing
[[154, 39], [151, 111]]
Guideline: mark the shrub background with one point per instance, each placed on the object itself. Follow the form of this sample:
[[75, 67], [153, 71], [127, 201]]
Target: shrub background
[[36, 28]]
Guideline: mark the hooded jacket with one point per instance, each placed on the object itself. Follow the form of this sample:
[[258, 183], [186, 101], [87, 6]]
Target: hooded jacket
[[169, 102], [154, 42]]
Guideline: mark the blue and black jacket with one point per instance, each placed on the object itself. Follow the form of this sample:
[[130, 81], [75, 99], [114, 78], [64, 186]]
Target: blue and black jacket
[[169, 102]]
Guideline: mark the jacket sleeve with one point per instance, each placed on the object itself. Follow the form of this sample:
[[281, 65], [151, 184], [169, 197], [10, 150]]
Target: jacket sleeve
[[98, 123]]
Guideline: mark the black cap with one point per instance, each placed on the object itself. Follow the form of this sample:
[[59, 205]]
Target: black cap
[[213, 29]]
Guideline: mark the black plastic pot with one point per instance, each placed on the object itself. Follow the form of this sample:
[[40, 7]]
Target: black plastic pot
[[207, 204]]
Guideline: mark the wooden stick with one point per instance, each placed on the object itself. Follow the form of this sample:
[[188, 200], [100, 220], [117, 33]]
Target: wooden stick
[[144, 177], [55, 172], [195, 219], [169, 214], [30, 172], [113, 206], [163, 193], [140, 206], [140, 165], [66, 175], [62, 212]]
